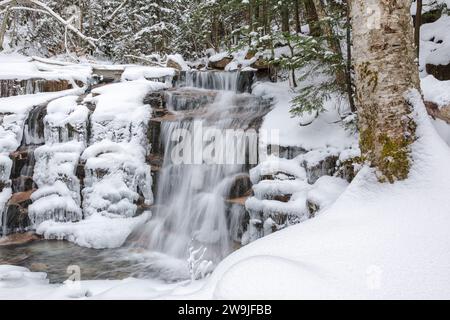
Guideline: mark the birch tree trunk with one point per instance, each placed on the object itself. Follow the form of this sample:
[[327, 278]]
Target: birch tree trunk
[[384, 61]]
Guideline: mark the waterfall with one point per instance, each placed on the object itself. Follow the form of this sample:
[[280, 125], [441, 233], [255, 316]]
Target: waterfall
[[191, 208]]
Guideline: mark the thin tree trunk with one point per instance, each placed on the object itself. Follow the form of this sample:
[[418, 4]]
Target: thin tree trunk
[[333, 42], [418, 24], [284, 17], [298, 26], [311, 17], [348, 70], [4, 26], [385, 70]]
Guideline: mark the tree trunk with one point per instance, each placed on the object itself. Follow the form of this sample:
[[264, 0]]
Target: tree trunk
[[383, 53], [333, 42], [348, 71], [311, 17], [4, 26], [298, 26], [418, 24], [284, 17]]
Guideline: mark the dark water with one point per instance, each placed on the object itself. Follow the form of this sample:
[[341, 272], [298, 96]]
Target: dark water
[[55, 257]]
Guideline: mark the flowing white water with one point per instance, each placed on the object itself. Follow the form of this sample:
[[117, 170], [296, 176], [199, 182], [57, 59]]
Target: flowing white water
[[191, 208]]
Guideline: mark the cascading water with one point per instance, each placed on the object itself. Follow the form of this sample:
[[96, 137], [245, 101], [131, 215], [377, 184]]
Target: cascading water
[[191, 208]]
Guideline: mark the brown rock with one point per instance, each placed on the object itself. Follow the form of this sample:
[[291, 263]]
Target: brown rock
[[221, 64], [260, 64], [440, 72], [442, 113], [173, 64], [38, 267], [18, 238], [21, 198]]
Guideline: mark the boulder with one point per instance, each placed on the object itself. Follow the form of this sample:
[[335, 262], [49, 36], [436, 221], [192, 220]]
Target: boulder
[[171, 63], [17, 212], [260, 64], [442, 113], [220, 64], [439, 71], [18, 238]]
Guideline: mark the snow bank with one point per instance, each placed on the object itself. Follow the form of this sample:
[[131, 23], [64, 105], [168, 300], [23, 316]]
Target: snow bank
[[435, 42], [96, 231], [436, 91], [325, 131], [16, 66], [150, 73]]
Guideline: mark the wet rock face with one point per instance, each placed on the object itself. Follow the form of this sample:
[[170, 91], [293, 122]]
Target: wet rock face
[[240, 187], [17, 212], [19, 87], [440, 72]]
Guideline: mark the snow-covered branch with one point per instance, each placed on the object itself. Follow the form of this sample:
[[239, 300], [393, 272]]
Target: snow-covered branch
[[48, 10]]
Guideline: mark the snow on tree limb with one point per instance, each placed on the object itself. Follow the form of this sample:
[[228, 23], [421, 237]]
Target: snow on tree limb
[[46, 8]]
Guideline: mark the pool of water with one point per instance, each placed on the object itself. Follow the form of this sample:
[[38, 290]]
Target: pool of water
[[57, 258]]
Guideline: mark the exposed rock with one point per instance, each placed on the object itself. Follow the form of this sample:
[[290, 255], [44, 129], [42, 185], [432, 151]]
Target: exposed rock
[[440, 72], [18, 238], [289, 152], [19, 87], [107, 75], [313, 208], [431, 16], [38, 267], [245, 81], [173, 64], [325, 167], [282, 197], [17, 212], [220, 64], [241, 187], [442, 113], [260, 64]]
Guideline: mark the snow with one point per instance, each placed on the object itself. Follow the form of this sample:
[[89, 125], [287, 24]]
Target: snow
[[96, 231], [219, 56], [436, 91], [326, 190], [16, 66], [435, 42], [115, 163], [443, 128], [150, 73], [325, 131], [178, 58], [274, 165], [54, 203]]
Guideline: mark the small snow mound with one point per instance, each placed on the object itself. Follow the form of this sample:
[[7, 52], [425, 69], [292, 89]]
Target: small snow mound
[[16, 277], [260, 277]]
